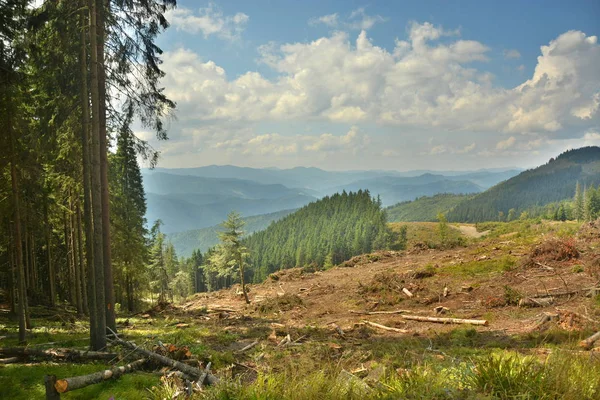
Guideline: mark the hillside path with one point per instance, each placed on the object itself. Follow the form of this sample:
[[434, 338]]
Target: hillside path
[[470, 231]]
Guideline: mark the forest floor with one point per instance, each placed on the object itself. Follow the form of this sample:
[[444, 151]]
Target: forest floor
[[312, 335]]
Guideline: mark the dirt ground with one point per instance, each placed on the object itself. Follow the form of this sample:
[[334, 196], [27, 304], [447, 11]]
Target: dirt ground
[[484, 280]]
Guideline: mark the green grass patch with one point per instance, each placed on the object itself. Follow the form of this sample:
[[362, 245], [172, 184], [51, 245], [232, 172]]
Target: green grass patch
[[480, 267]]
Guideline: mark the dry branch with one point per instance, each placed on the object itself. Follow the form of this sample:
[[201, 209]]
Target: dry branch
[[446, 320], [385, 328], [78, 382], [56, 354], [589, 342], [246, 348], [407, 292]]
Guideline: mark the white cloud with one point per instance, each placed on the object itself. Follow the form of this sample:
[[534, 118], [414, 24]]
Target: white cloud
[[421, 83], [280, 145], [506, 144], [208, 21], [330, 20], [357, 20], [512, 54]]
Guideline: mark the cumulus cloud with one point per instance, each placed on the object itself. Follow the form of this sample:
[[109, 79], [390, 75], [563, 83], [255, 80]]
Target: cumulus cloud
[[511, 54], [506, 144], [208, 21], [357, 20], [423, 82], [279, 145]]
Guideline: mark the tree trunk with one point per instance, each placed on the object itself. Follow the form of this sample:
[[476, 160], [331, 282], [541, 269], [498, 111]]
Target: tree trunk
[[18, 244], [96, 186], [11, 273], [130, 302], [70, 271], [87, 201], [242, 281], [83, 281], [108, 273], [57, 354], [76, 265], [51, 279], [79, 382]]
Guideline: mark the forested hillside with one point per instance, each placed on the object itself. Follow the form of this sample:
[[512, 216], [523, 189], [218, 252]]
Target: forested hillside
[[552, 182], [425, 208], [323, 233], [202, 239]]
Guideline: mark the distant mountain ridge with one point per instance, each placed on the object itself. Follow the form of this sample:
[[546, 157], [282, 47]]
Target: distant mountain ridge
[[194, 198]]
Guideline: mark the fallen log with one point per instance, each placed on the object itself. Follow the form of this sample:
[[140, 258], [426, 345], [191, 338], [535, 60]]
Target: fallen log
[[407, 292], [589, 342], [446, 320], [385, 328], [79, 382], [10, 360], [186, 369], [536, 302], [379, 312], [56, 354]]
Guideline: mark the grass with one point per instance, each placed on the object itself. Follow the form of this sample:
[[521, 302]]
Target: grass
[[481, 267], [461, 363]]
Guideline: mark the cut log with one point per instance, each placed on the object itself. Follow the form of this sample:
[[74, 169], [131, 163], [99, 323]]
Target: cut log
[[589, 342], [195, 373], [446, 320], [385, 328], [536, 302], [57, 354], [379, 312], [78, 382], [446, 291], [407, 292]]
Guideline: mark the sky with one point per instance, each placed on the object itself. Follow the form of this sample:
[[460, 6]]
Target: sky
[[348, 85]]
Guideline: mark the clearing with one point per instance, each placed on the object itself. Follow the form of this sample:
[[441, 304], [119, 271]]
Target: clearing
[[317, 334]]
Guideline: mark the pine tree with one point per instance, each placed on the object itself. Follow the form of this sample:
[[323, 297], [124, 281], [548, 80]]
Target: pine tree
[[230, 255], [578, 203]]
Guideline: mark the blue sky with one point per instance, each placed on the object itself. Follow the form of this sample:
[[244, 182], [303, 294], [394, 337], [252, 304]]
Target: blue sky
[[381, 84]]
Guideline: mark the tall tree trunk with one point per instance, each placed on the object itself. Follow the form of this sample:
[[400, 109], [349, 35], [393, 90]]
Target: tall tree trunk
[[51, 279], [87, 200], [18, 243], [96, 185], [83, 281], [76, 265], [12, 294], [241, 261], [70, 270], [130, 304], [109, 290]]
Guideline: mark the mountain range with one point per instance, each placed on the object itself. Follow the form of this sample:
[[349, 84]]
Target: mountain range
[[192, 202], [195, 198]]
